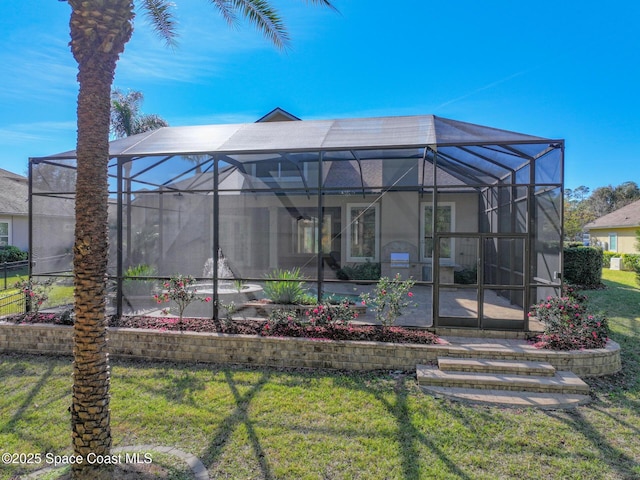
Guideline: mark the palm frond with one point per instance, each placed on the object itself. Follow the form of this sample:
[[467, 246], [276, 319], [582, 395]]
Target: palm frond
[[259, 12], [159, 15], [325, 3], [226, 10], [146, 123]]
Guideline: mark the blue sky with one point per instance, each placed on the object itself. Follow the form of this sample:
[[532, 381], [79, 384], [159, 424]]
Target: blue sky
[[555, 69]]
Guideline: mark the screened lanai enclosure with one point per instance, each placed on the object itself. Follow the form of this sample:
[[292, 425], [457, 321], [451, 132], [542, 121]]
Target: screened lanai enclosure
[[473, 214]]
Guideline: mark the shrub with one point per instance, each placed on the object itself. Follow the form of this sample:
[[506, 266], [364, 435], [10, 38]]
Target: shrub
[[606, 258], [36, 293], [360, 271], [467, 276], [583, 266], [285, 286], [179, 289], [630, 261], [389, 297], [568, 324], [9, 253], [133, 286], [329, 313]]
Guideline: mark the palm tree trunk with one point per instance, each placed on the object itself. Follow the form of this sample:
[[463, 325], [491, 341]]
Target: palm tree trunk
[[99, 31]]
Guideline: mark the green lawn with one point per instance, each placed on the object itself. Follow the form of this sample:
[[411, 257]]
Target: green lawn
[[248, 423]]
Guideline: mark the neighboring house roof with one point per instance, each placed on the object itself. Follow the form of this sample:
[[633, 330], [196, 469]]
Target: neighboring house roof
[[14, 194], [627, 216], [278, 115]]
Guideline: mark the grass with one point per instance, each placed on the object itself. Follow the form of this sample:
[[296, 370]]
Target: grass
[[12, 278], [59, 295], [248, 423]]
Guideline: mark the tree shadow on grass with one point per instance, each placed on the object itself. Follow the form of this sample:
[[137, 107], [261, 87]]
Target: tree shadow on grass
[[28, 402], [409, 436], [239, 416], [616, 459]]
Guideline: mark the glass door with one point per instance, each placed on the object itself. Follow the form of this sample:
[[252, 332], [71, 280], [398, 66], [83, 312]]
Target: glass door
[[457, 284], [483, 284]]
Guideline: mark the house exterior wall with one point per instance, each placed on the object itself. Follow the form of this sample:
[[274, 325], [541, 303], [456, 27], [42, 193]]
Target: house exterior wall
[[18, 230], [626, 238], [21, 232]]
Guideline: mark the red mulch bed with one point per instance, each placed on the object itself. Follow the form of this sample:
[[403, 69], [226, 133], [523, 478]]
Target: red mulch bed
[[255, 327]]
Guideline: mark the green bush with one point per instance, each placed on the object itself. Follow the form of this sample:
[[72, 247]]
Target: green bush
[[134, 286], [467, 276], [583, 266], [606, 258], [630, 261], [573, 244], [360, 271], [9, 253], [568, 324], [285, 286]]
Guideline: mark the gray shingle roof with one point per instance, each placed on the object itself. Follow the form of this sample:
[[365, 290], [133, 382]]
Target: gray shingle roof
[[14, 194], [627, 216]]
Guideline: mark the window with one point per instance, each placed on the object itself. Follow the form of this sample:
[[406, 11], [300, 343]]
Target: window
[[613, 242], [306, 234], [4, 233], [445, 222], [279, 170], [363, 232]]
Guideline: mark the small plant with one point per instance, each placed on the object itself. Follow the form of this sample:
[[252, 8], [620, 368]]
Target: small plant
[[179, 290], [329, 313], [285, 286], [568, 324], [389, 298], [36, 293], [135, 286]]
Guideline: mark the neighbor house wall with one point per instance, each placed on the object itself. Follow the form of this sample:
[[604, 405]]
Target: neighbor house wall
[[626, 238], [18, 230]]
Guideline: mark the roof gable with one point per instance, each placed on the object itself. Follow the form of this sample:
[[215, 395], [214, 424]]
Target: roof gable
[[627, 216]]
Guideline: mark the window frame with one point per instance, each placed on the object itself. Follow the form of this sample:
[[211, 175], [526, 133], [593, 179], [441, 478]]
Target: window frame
[[423, 247], [8, 235], [350, 219]]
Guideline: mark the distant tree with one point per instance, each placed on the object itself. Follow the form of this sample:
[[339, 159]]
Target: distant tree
[[576, 212], [605, 200], [582, 207], [626, 193], [126, 120], [126, 117]]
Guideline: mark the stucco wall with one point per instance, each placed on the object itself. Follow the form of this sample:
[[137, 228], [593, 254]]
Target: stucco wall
[[626, 238]]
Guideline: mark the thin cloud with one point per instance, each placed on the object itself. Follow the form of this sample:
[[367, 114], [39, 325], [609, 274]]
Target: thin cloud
[[47, 73], [22, 133], [481, 89]]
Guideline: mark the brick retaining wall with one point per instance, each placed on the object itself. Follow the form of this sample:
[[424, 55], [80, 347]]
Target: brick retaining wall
[[289, 352]]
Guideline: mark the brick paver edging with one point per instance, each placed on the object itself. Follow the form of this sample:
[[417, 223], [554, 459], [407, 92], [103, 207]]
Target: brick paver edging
[[294, 352]]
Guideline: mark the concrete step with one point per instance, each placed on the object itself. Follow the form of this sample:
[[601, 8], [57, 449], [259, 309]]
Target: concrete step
[[561, 382], [503, 398], [487, 365]]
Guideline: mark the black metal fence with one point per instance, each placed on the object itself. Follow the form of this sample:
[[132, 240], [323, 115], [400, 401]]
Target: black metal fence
[[11, 269], [13, 304]]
